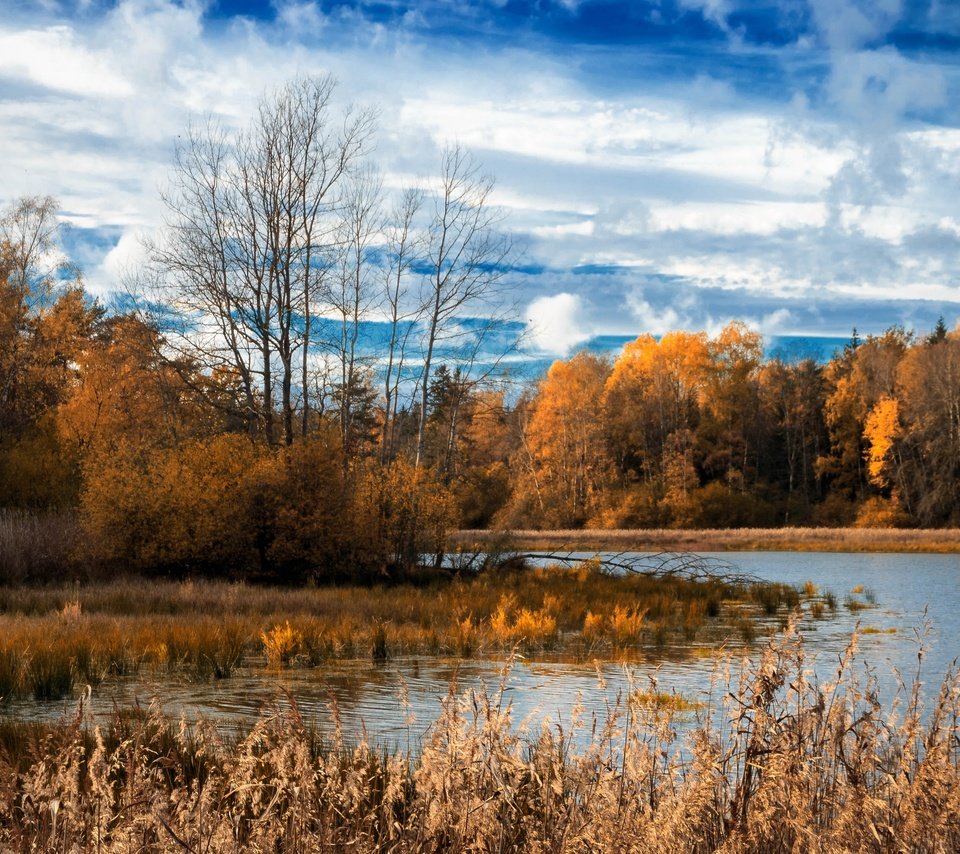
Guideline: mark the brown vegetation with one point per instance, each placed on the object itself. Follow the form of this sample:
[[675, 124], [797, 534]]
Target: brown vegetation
[[781, 764], [54, 639], [944, 540]]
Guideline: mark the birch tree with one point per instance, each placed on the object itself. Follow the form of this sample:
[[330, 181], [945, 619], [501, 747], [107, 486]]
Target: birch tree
[[251, 224], [466, 262], [402, 246]]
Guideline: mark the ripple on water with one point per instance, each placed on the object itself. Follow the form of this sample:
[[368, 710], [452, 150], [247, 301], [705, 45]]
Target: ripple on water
[[915, 594]]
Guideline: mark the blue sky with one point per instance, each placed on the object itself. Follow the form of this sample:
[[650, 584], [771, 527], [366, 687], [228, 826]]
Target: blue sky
[[671, 164]]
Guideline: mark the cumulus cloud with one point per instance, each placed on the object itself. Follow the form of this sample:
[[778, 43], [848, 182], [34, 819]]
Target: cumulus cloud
[[715, 11], [656, 320], [556, 323]]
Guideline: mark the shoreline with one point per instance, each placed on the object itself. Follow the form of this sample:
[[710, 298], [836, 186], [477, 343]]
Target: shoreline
[[933, 541]]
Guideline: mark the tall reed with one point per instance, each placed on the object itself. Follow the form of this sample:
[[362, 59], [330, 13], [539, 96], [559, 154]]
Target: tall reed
[[37, 545], [777, 763]]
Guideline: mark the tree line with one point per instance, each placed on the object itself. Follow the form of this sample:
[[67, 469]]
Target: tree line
[[697, 431], [156, 448], [235, 416]]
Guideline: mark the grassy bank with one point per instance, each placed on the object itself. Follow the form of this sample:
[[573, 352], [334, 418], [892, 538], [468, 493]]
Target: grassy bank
[[54, 638], [777, 764], [946, 540]]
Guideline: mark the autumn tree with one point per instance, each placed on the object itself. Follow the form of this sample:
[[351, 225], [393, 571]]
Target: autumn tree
[[562, 466], [653, 397], [792, 396], [731, 406], [128, 391], [857, 378], [45, 321], [925, 446], [488, 441]]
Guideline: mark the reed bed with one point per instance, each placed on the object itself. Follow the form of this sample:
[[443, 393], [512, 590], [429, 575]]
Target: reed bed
[[943, 540], [35, 545], [54, 640], [773, 762]]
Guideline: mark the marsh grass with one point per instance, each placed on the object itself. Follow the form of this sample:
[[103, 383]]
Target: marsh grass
[[775, 762], [55, 640], [663, 701], [48, 673], [942, 540]]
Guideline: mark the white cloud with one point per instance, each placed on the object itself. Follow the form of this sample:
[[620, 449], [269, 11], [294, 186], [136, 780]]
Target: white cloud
[[653, 320], [757, 218], [300, 16], [712, 10], [556, 323], [581, 229], [51, 58], [124, 259], [776, 321], [879, 86], [847, 24]]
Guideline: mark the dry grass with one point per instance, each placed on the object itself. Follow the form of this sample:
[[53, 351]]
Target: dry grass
[[54, 639], [781, 765], [946, 540], [35, 545]]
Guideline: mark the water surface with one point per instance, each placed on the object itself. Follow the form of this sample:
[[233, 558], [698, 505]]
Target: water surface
[[916, 596]]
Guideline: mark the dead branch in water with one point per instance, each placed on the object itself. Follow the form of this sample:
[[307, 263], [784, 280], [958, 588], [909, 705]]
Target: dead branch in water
[[685, 565]]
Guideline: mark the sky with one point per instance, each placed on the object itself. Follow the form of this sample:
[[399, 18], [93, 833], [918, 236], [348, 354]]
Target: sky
[[661, 164]]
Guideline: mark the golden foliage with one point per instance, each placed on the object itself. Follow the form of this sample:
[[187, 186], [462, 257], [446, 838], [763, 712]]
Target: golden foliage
[[562, 466], [881, 431], [281, 644]]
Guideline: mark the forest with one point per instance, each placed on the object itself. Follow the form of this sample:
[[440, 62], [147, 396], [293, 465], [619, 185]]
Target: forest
[[234, 416]]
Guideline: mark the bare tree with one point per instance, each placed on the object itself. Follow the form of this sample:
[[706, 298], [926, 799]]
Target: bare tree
[[248, 239], [194, 268], [353, 292], [466, 255], [30, 239], [402, 246]]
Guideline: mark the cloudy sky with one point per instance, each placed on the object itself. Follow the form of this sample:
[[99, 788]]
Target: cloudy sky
[[663, 163]]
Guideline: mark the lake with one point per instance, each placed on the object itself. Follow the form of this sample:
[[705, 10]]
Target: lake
[[916, 596]]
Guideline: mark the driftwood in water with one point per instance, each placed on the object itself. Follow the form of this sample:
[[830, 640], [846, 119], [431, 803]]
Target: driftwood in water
[[686, 565]]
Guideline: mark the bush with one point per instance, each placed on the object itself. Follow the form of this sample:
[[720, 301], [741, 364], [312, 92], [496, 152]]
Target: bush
[[882, 513], [183, 508], [227, 506], [716, 505]]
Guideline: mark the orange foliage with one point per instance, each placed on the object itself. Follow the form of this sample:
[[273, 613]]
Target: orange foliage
[[881, 431], [652, 394], [563, 461]]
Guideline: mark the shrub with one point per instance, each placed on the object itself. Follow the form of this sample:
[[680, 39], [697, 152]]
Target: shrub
[[879, 512]]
